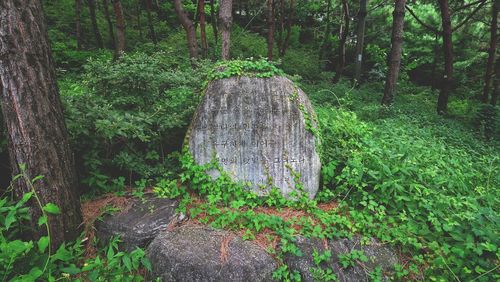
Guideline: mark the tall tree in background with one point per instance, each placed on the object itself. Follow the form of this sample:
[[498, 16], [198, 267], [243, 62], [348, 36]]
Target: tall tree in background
[[396, 48], [225, 19], [110, 23], [288, 28], [152, 33], [344, 31], [360, 38], [270, 27], [78, 17], [95, 27], [281, 26], [447, 80], [120, 27], [326, 37], [33, 115], [213, 20], [491, 51], [203, 33], [188, 26]]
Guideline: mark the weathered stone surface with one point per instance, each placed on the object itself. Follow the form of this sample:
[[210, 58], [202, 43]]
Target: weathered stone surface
[[256, 128], [200, 253], [138, 225], [378, 255]]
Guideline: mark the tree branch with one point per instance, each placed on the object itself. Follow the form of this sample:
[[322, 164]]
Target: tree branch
[[427, 26], [470, 16]]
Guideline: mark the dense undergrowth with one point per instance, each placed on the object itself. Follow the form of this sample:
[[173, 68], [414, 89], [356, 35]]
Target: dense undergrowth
[[424, 183]]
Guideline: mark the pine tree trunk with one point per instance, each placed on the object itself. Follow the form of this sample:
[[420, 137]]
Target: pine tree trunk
[[203, 33], [78, 13], [159, 11], [120, 28], [447, 80], [188, 26], [324, 45], [396, 48], [281, 26], [152, 33], [95, 27], [138, 17], [225, 19], [110, 24], [496, 82], [213, 19], [33, 115], [491, 52], [343, 39], [360, 38], [288, 29], [270, 26]]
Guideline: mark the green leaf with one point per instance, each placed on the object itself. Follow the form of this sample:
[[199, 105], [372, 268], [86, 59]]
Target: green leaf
[[43, 242], [52, 208], [42, 220], [11, 218]]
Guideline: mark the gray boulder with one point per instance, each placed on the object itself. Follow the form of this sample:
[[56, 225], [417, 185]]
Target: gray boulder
[[261, 132], [377, 253], [200, 253], [138, 225]]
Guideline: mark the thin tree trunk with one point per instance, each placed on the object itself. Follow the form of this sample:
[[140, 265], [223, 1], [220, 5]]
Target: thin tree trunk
[[138, 17], [152, 33], [159, 11], [447, 80], [434, 62], [343, 39], [226, 19], [491, 52], [288, 29], [95, 27], [188, 26], [78, 12], [325, 44], [396, 48], [203, 33], [120, 27], [281, 26], [213, 19], [33, 115], [110, 24], [270, 26], [496, 82], [360, 38]]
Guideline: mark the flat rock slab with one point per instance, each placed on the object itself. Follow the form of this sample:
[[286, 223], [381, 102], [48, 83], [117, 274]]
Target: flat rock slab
[[377, 253], [200, 253], [138, 225], [260, 132]]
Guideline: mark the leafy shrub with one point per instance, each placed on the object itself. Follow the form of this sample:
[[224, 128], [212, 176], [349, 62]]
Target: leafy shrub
[[22, 260], [302, 62], [130, 114]]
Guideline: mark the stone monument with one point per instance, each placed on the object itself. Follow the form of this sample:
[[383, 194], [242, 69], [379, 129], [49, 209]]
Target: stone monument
[[262, 131]]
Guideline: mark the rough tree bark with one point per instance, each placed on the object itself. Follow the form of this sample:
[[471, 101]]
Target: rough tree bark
[[110, 24], [447, 80], [203, 33], [34, 119], [270, 26], [152, 32], [496, 82], [120, 28], [343, 39], [188, 26], [213, 20], [95, 27], [491, 52], [395, 56], [288, 28], [78, 13], [360, 38], [225, 19]]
